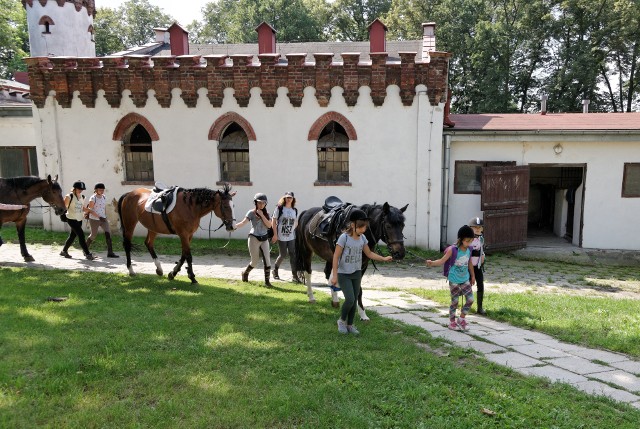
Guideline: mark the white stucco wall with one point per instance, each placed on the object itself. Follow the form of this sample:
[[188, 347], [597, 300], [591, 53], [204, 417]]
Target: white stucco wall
[[69, 34], [396, 158], [606, 217]]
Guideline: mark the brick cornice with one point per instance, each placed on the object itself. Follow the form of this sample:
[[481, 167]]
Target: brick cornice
[[141, 73], [323, 121], [125, 124], [215, 132], [90, 5]]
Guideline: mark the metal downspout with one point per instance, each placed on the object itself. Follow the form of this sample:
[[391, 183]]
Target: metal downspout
[[444, 221]]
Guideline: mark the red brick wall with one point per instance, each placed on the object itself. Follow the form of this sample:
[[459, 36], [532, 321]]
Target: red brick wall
[[140, 73]]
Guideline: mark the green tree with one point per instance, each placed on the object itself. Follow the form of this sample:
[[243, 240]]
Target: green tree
[[127, 26], [14, 38], [350, 18], [234, 21]]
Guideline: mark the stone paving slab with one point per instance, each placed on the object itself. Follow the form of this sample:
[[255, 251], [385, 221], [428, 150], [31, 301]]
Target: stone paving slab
[[384, 310], [578, 365], [601, 355], [601, 389], [512, 359], [506, 339], [620, 378], [553, 373], [631, 366], [482, 347], [431, 326], [408, 318], [428, 314], [539, 351], [453, 336]]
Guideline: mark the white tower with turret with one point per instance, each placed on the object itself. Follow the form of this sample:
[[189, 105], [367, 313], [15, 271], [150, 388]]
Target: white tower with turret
[[61, 27]]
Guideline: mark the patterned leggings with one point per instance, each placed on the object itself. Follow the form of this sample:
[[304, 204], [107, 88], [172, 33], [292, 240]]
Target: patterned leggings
[[457, 290]]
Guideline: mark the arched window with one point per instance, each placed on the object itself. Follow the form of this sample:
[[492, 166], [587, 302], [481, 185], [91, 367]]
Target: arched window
[[138, 155], [46, 22], [233, 150], [333, 154]]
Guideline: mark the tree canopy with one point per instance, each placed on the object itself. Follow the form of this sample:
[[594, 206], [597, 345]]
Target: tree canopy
[[14, 38]]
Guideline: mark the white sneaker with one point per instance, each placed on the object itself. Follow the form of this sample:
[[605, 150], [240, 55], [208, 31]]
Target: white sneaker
[[353, 330], [342, 327]]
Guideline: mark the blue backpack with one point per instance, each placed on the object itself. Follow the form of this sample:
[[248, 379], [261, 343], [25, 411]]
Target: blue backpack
[[451, 261]]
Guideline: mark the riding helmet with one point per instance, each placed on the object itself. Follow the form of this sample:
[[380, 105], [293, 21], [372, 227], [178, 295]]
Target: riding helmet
[[98, 186], [79, 184], [260, 197], [357, 214], [465, 232], [476, 221]]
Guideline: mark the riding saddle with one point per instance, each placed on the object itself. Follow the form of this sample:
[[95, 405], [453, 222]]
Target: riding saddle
[[328, 222], [161, 199]]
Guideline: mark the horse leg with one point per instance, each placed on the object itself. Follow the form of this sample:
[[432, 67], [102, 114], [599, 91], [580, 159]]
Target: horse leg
[[173, 273], [307, 281], [151, 236], [361, 312], [20, 225], [335, 300], [190, 273]]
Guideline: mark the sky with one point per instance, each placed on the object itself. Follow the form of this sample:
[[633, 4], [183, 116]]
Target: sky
[[184, 11]]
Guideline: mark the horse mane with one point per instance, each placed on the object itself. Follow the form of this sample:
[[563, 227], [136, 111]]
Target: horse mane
[[204, 196], [395, 216], [20, 182]]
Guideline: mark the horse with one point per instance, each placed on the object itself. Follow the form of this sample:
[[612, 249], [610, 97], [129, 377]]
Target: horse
[[385, 223], [183, 221], [23, 190]]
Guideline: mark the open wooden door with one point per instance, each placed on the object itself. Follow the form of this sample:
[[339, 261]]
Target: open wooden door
[[505, 202]]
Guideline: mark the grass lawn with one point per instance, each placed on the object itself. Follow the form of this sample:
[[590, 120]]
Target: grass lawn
[[146, 352], [596, 322]]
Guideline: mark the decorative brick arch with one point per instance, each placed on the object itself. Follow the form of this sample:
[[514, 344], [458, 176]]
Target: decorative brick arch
[[215, 132], [46, 20], [323, 121], [126, 123]]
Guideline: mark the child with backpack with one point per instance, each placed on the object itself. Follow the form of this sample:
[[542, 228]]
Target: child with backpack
[[284, 221], [458, 269], [477, 259]]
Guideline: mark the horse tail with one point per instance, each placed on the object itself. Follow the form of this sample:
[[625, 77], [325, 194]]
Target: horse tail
[[302, 253], [120, 213]]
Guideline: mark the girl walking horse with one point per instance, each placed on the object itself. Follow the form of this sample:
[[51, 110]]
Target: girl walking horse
[[183, 220]]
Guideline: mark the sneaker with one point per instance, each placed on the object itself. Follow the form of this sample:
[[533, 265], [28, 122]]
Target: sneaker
[[89, 256], [65, 254], [454, 326], [342, 327], [353, 330], [463, 324], [112, 255]]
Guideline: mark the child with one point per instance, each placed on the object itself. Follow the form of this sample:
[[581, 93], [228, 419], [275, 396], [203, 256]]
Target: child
[[258, 240], [98, 218], [461, 277], [347, 267], [283, 222], [477, 259], [11, 207]]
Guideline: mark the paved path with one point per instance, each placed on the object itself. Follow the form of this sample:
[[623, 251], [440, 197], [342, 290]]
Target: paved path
[[531, 353]]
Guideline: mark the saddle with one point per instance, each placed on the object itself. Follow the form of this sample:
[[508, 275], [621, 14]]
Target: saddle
[[162, 200], [327, 223]]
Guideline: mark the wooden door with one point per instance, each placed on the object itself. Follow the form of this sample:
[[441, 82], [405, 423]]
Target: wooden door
[[505, 202]]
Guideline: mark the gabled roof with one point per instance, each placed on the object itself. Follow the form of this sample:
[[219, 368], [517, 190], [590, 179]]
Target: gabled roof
[[550, 122]]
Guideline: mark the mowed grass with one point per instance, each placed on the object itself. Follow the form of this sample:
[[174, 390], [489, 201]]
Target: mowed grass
[[597, 322], [150, 353]]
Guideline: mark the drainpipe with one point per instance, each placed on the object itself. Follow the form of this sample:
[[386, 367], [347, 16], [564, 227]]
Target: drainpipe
[[444, 221]]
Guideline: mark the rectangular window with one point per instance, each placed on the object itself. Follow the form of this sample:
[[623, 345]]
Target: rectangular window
[[333, 165], [468, 175], [18, 161], [631, 180], [234, 165]]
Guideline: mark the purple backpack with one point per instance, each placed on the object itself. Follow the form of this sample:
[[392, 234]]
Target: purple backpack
[[451, 261]]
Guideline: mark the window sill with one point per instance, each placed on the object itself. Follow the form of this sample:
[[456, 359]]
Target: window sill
[[223, 182], [137, 182], [319, 183]]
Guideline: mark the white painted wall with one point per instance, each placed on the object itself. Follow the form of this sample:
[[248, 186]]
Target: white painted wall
[[396, 158], [69, 34], [607, 216]]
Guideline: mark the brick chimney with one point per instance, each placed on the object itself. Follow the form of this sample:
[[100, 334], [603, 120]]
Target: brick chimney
[[585, 106], [266, 39], [179, 39], [428, 39], [377, 36]]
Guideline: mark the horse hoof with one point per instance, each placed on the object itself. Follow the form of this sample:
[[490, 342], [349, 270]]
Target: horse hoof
[[335, 304], [29, 258], [159, 272], [194, 281], [171, 276], [365, 320]]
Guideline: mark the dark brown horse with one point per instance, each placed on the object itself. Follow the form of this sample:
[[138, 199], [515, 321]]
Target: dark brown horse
[[184, 219], [23, 190], [385, 223]]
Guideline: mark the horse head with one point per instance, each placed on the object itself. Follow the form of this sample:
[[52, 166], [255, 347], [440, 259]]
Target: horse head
[[391, 230], [225, 208], [52, 194]]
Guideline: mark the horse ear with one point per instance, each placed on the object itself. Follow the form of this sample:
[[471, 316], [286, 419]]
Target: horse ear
[[385, 208], [49, 178], [404, 208]]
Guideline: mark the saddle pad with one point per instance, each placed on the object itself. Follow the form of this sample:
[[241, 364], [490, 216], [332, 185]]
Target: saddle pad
[[315, 221], [154, 196]]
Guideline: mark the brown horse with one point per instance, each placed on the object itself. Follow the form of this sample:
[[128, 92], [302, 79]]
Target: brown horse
[[386, 223], [23, 190], [184, 220]]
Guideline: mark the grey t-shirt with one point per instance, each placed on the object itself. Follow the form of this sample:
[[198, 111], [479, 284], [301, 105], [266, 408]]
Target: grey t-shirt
[[351, 258], [257, 226], [285, 223]]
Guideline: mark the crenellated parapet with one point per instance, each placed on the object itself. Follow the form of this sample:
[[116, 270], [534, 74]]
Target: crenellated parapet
[[90, 5], [189, 73]]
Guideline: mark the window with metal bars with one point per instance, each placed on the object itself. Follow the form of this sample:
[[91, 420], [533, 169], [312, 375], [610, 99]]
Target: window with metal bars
[[233, 151], [333, 154], [138, 155]]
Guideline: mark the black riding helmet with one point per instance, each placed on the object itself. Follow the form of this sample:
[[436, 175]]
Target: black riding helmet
[[356, 215], [465, 232], [260, 197], [476, 221], [79, 184], [98, 186]]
